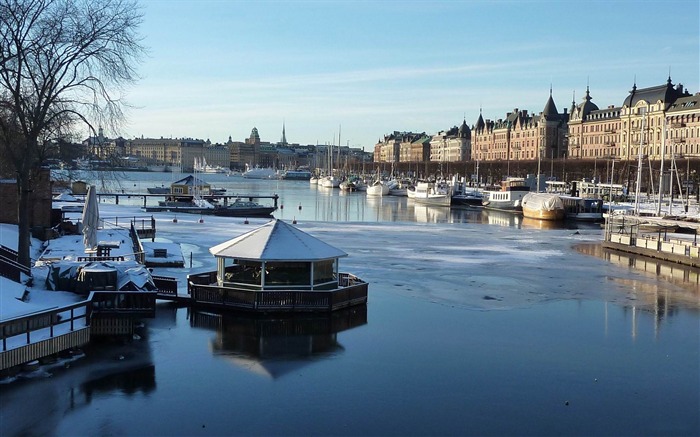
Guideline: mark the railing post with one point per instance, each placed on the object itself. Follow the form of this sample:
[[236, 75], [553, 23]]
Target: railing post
[[26, 326]]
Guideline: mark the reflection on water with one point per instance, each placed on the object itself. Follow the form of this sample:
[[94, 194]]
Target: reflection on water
[[276, 345], [684, 289], [129, 382]]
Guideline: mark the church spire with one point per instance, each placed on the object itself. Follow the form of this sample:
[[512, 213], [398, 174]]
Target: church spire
[[284, 135]]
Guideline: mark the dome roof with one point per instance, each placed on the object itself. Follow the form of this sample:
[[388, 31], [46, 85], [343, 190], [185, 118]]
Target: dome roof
[[587, 106]]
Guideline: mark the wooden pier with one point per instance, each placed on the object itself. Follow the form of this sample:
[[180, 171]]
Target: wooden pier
[[224, 197]]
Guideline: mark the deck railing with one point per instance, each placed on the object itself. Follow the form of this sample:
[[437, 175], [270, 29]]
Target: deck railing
[[205, 291], [166, 285], [36, 335], [41, 325]]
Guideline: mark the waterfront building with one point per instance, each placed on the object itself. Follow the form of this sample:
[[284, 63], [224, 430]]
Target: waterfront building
[[389, 148], [453, 145], [417, 150], [593, 132], [648, 118], [683, 126], [521, 136], [643, 117]]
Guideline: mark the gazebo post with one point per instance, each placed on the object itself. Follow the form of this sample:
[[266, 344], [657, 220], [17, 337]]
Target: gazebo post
[[312, 276], [262, 276]]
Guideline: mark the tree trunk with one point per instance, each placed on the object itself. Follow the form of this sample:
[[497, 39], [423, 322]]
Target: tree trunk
[[24, 190]]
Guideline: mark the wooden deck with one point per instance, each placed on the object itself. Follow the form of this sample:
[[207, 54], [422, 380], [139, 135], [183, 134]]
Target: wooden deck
[[38, 335], [203, 291]]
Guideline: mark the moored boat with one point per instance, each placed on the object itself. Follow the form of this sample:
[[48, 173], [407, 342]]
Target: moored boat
[[378, 188], [260, 173], [542, 206], [432, 193], [508, 198], [581, 208], [297, 175]]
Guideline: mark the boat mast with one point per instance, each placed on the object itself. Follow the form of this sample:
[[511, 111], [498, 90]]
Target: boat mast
[[661, 170], [639, 165]]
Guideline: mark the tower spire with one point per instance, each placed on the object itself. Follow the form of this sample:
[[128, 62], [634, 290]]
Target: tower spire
[[284, 135]]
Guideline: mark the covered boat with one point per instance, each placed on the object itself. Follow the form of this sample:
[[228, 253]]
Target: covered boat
[[543, 206]]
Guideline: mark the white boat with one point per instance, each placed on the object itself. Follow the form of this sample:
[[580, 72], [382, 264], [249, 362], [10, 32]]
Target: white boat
[[259, 173], [432, 193], [329, 182], [299, 175], [377, 189], [581, 208], [313, 180], [543, 206], [508, 198]]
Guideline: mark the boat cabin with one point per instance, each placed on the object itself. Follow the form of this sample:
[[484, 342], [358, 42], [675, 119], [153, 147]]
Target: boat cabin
[[277, 267], [190, 186]]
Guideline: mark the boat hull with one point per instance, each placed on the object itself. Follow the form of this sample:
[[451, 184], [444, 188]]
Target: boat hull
[[543, 206]]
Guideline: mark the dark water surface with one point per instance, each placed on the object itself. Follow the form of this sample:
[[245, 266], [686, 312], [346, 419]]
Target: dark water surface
[[402, 365]]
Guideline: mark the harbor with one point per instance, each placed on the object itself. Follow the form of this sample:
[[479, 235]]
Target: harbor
[[474, 305]]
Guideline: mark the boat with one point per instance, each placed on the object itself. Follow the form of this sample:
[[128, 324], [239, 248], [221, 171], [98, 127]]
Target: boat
[[313, 180], [298, 175], [244, 208], [582, 208], [158, 190], [463, 196], [508, 198], [260, 173], [352, 183], [195, 205], [329, 182], [433, 193], [201, 166], [542, 206], [472, 198], [377, 189]]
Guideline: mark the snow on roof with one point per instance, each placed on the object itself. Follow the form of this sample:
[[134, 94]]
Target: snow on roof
[[276, 241]]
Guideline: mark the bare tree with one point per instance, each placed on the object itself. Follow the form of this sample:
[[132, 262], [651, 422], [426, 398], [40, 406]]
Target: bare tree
[[62, 63]]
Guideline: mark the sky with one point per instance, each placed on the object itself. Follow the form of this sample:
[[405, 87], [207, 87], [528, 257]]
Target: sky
[[354, 71]]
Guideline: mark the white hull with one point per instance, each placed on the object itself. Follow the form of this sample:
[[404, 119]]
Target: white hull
[[377, 189], [428, 193], [260, 173], [329, 182]]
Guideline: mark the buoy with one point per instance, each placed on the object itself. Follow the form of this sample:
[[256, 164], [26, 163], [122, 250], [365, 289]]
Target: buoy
[[175, 220], [245, 222], [201, 220], [281, 206], [294, 221], [300, 207]]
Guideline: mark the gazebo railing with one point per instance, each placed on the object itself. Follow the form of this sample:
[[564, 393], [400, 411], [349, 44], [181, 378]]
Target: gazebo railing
[[351, 291]]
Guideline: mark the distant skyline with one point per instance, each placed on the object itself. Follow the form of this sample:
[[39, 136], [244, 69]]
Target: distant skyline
[[365, 69]]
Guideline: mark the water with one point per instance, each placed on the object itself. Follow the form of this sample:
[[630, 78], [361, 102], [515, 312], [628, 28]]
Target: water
[[476, 325]]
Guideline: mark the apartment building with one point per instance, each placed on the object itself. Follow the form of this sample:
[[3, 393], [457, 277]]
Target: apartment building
[[663, 119]]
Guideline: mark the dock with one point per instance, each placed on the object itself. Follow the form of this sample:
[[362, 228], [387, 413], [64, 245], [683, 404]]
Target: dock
[[226, 198], [660, 238]]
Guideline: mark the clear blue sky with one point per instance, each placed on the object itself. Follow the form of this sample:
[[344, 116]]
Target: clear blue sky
[[367, 68]]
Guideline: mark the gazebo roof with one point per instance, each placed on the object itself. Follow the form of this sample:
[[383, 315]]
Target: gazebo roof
[[276, 241]]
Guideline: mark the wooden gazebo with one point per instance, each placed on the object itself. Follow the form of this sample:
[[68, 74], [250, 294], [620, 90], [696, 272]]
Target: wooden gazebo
[[277, 267]]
